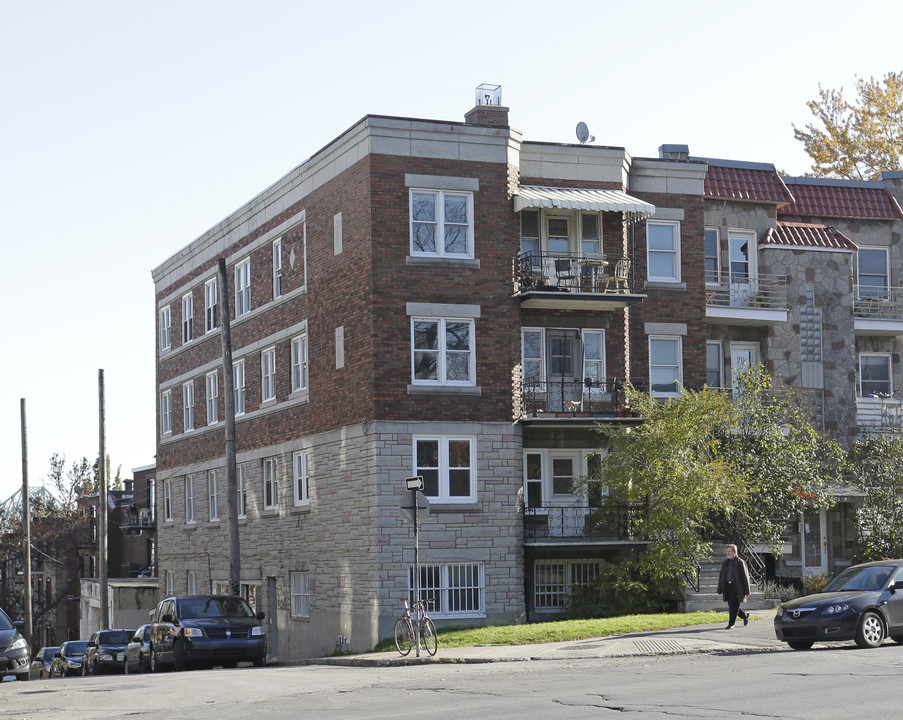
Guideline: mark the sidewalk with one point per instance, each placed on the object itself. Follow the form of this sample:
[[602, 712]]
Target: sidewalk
[[757, 636]]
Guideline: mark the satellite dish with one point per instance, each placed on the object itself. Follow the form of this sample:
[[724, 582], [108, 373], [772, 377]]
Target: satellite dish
[[583, 133]]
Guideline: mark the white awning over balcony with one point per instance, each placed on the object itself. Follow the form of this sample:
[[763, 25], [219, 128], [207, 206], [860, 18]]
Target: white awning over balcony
[[537, 196]]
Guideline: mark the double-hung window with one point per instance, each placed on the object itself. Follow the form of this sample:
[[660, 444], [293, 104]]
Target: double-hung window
[[189, 499], [300, 479], [299, 362], [187, 318], [241, 492], [442, 351], [532, 356], [712, 256], [875, 375], [165, 328], [242, 287], [663, 250], [270, 489], [442, 223], [872, 272], [665, 365], [238, 387], [277, 268], [300, 591], [714, 365], [211, 305], [212, 383], [212, 496], [188, 406], [593, 358], [268, 374], [448, 467], [166, 412], [167, 500]]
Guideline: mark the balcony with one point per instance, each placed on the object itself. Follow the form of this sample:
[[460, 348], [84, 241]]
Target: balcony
[[879, 413], [590, 399], [878, 310], [574, 282], [137, 518], [609, 523], [754, 300]]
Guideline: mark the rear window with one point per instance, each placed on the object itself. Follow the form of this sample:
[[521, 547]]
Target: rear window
[[77, 648], [114, 637]]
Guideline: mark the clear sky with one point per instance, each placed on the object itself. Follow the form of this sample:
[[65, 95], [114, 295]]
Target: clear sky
[[129, 128]]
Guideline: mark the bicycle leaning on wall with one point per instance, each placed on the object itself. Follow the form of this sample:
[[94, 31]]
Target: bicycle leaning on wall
[[405, 635]]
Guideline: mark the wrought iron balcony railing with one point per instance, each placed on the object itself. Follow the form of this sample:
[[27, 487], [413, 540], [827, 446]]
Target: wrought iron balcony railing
[[611, 521], [572, 395], [583, 273]]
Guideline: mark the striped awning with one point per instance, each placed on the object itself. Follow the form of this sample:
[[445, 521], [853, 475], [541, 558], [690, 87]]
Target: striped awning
[[536, 196]]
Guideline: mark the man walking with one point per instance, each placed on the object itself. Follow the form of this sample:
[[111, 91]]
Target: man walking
[[733, 586]]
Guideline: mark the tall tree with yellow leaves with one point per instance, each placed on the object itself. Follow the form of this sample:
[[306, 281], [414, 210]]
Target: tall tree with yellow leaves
[[856, 140]]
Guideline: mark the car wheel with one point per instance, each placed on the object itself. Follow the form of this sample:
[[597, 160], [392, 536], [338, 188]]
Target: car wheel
[[125, 666], [84, 669], [259, 662], [24, 676], [800, 644], [154, 667], [178, 657], [142, 663], [870, 632]]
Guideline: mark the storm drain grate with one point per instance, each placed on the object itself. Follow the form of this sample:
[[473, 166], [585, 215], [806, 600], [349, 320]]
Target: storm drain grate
[[658, 646]]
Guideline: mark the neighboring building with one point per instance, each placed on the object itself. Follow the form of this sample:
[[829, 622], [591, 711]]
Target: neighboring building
[[801, 276], [131, 600], [420, 298]]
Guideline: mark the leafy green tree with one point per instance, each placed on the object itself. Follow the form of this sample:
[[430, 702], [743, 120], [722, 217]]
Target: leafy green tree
[[876, 465], [860, 139]]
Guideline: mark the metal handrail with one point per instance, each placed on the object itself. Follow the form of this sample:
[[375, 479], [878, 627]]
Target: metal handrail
[[742, 290], [877, 302], [569, 395], [593, 273], [611, 521]]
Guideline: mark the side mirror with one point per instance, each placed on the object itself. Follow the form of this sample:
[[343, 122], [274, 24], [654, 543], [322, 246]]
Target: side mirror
[[898, 585], [92, 644], [166, 617], [57, 654]]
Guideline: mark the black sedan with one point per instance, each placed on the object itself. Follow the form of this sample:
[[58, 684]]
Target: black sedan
[[68, 659], [863, 603], [137, 652], [106, 651], [41, 662]]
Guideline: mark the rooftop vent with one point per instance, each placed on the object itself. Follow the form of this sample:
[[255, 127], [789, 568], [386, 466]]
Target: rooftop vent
[[674, 152], [488, 110], [489, 94]]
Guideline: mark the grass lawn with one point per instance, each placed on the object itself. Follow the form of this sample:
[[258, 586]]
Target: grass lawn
[[560, 630]]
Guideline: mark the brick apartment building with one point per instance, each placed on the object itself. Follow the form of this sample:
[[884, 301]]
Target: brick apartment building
[[449, 300]]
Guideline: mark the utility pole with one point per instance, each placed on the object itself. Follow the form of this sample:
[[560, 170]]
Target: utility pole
[[229, 407], [26, 528], [102, 511]]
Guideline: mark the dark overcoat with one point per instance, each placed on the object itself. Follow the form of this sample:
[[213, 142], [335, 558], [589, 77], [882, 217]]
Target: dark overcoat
[[733, 578]]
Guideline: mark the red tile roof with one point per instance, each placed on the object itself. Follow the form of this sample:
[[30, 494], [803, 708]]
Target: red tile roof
[[834, 199], [738, 182], [808, 235]]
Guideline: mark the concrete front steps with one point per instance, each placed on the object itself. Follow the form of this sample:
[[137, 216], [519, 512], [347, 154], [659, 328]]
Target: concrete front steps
[[707, 597]]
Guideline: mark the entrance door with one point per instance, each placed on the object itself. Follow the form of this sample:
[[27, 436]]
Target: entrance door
[[565, 371], [814, 542], [742, 259], [743, 357]]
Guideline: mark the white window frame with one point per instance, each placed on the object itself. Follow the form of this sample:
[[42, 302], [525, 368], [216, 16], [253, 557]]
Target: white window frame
[[601, 360], [268, 375], [551, 594], [450, 585], [212, 496], [677, 341], [187, 318], [188, 406], [439, 222], [539, 361], [211, 305], [166, 412], [239, 394], [442, 352], [299, 587], [300, 362], [277, 268], [270, 484], [717, 345], [168, 582], [443, 470], [673, 252], [212, 385], [888, 362], [191, 582], [190, 517], [712, 279], [165, 328], [167, 500], [584, 249], [558, 243], [879, 291], [241, 492], [736, 238], [301, 478], [242, 287]]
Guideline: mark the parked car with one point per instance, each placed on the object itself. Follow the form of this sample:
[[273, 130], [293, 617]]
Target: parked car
[[137, 652], [13, 649], [206, 629], [68, 659], [863, 603], [41, 662], [106, 651]]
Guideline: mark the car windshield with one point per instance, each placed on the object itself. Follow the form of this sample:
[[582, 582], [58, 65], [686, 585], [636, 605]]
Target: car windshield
[[76, 648], [5, 622], [114, 637], [211, 607], [864, 578]]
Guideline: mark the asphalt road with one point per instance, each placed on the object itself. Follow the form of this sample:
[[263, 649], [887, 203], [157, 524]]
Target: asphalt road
[[764, 682]]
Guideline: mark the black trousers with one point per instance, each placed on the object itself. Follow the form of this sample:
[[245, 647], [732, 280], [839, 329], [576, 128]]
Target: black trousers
[[734, 610]]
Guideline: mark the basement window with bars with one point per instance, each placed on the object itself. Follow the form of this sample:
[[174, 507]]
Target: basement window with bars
[[457, 590], [555, 580]]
